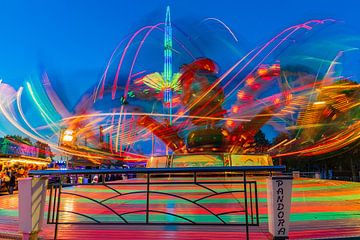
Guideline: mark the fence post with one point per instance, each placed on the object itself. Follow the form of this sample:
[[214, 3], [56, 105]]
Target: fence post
[[147, 197], [32, 195], [246, 207], [279, 202]]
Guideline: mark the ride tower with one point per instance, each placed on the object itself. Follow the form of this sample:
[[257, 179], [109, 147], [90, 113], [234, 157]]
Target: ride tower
[[168, 73]]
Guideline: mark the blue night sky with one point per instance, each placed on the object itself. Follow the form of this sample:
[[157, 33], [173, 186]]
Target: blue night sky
[[73, 39]]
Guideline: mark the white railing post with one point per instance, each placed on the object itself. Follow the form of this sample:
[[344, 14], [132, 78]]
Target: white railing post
[[32, 196], [279, 190]]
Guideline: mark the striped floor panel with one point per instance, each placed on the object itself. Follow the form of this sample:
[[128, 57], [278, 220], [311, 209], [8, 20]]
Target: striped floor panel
[[321, 209]]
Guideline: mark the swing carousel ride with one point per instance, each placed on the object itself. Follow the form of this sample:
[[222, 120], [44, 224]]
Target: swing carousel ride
[[192, 113]]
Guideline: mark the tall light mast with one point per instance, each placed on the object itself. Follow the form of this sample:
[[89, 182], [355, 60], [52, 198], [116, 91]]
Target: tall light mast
[[168, 74]]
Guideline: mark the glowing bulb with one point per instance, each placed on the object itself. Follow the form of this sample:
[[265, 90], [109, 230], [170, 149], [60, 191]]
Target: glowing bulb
[[250, 81], [240, 95], [67, 138], [235, 109], [230, 122], [262, 71]]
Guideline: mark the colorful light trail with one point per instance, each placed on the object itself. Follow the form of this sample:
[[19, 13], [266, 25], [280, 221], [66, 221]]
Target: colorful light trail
[[266, 87]]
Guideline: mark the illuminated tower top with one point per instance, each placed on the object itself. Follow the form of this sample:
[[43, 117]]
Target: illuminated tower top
[[168, 48]]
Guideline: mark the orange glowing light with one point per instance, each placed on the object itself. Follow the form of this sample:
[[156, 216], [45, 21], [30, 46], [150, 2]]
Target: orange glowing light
[[289, 97], [68, 135], [235, 109], [262, 71], [250, 81], [240, 95], [276, 100], [230, 123]]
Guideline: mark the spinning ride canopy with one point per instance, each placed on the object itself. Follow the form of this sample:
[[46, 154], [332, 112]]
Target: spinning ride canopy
[[201, 108]]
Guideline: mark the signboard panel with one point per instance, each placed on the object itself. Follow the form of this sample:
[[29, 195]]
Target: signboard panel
[[157, 162], [251, 160], [198, 161], [279, 202]]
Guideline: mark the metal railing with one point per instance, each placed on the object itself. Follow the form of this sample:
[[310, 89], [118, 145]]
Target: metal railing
[[220, 195]]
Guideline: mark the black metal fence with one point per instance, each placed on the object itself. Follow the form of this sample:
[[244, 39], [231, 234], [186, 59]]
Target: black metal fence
[[201, 196]]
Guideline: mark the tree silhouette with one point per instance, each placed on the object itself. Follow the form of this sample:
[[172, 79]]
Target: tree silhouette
[[261, 143]]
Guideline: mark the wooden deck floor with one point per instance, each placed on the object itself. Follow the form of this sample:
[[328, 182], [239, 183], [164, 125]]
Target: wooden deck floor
[[320, 209]]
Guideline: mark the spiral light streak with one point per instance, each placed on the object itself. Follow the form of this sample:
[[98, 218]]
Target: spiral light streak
[[18, 101], [43, 112], [293, 28], [137, 54], [5, 109], [224, 25], [123, 56], [217, 112]]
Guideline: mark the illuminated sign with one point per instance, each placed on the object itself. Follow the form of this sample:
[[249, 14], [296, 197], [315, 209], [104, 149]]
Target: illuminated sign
[[197, 161], [157, 162], [279, 203], [68, 135], [251, 160]]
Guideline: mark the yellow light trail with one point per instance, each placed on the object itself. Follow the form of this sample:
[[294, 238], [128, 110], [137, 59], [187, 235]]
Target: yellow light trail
[[156, 115]]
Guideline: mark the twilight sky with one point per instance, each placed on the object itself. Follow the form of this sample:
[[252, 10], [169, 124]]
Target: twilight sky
[[73, 39]]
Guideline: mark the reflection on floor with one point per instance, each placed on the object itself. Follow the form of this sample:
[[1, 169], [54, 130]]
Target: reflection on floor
[[320, 209]]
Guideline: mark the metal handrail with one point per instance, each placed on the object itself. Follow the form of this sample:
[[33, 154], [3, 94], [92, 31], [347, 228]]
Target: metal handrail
[[56, 187], [161, 170]]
